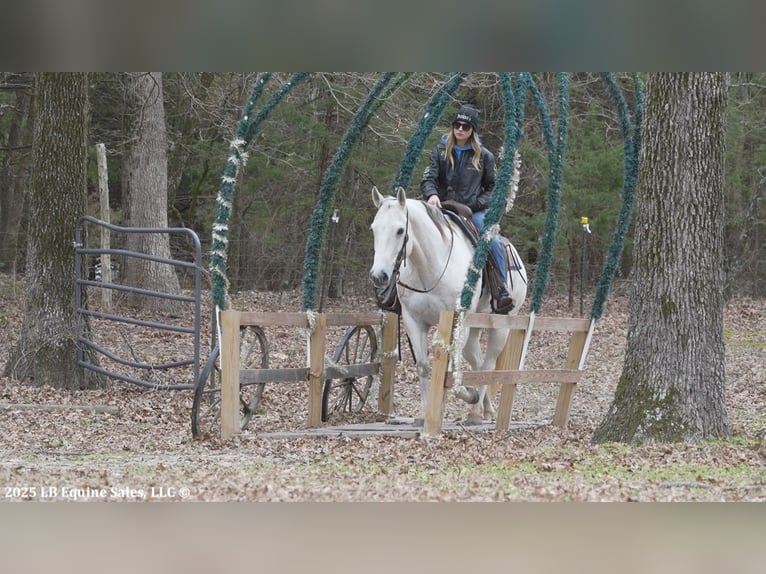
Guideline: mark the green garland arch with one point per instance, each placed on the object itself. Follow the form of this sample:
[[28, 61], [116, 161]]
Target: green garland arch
[[428, 120], [246, 130], [632, 146], [321, 216], [514, 100]]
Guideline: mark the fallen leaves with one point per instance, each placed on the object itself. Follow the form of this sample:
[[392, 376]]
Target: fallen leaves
[[148, 443]]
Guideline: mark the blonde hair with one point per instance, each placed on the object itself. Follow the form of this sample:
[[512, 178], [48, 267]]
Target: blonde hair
[[450, 144]]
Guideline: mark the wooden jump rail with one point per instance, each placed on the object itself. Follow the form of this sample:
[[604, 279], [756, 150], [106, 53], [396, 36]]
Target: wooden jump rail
[[316, 373], [509, 370]]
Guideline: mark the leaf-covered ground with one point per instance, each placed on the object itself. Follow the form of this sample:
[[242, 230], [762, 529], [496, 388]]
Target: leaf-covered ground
[[146, 451]]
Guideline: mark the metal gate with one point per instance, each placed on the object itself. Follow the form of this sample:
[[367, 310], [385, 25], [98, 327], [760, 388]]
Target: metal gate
[[83, 281]]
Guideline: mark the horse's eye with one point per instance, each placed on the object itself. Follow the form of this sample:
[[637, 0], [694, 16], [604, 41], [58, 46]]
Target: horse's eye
[[400, 231]]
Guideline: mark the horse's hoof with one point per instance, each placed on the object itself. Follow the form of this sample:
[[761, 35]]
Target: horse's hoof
[[469, 395], [473, 420]]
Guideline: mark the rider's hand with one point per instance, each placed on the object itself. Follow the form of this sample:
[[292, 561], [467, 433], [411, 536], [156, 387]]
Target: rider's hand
[[434, 200]]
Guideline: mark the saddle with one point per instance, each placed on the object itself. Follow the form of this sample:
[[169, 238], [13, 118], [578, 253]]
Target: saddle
[[462, 214]]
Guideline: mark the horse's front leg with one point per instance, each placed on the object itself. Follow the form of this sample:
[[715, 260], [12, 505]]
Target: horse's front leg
[[424, 377], [473, 395], [489, 409], [418, 335], [474, 416], [483, 409]]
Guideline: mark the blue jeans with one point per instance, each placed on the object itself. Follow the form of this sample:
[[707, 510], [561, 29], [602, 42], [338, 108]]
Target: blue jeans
[[495, 248]]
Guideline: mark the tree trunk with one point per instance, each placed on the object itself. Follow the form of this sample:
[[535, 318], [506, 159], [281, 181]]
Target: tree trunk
[[46, 350], [14, 176], [672, 386], [146, 180]]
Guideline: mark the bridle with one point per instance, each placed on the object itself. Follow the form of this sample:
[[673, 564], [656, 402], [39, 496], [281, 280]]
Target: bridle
[[401, 257]]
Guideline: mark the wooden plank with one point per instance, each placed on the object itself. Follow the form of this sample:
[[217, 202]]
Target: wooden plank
[[563, 403], [299, 319], [514, 377], [292, 375], [434, 415], [354, 318], [377, 429], [316, 370], [334, 433], [301, 374], [494, 321], [274, 319], [357, 370], [229, 374], [388, 363], [510, 358], [567, 324]]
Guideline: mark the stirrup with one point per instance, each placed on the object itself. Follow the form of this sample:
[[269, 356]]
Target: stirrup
[[502, 306]]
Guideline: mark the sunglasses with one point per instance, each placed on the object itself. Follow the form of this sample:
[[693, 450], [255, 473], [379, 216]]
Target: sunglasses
[[461, 126]]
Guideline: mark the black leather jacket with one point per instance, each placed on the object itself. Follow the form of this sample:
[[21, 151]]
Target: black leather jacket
[[464, 184]]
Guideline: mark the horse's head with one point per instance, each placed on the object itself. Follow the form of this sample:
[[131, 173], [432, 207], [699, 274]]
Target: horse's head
[[389, 231]]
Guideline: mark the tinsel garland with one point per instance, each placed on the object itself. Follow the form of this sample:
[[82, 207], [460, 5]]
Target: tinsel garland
[[556, 154], [246, 130], [225, 197], [431, 115], [387, 83], [632, 146], [514, 116]]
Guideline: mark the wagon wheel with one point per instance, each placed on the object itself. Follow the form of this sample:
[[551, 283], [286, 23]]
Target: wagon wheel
[[349, 395], [206, 408]]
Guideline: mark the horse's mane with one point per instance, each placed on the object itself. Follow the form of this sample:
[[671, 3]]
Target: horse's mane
[[437, 217]]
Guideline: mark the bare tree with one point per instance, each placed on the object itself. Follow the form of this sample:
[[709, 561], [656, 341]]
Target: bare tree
[[672, 386], [145, 178], [14, 165], [46, 350]]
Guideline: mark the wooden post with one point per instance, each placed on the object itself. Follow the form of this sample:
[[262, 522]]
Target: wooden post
[[501, 364], [576, 347], [434, 416], [103, 194], [388, 363], [509, 359], [229, 374], [316, 370]]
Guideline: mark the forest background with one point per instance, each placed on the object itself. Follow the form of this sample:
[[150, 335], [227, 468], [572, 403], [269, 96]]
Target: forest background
[[279, 185]]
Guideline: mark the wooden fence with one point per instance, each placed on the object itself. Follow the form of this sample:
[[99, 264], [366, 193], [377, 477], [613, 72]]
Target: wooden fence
[[316, 373], [509, 369]]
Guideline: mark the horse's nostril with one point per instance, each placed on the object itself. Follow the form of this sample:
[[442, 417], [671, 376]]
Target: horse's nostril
[[379, 279]]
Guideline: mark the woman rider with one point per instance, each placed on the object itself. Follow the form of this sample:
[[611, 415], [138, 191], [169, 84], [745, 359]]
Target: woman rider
[[462, 169]]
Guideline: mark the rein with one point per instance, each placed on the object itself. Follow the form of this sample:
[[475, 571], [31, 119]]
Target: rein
[[400, 258]]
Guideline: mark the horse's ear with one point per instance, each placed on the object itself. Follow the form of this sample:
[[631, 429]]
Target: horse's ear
[[400, 195], [377, 198]]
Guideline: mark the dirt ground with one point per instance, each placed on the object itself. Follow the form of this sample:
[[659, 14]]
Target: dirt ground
[[145, 451]]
